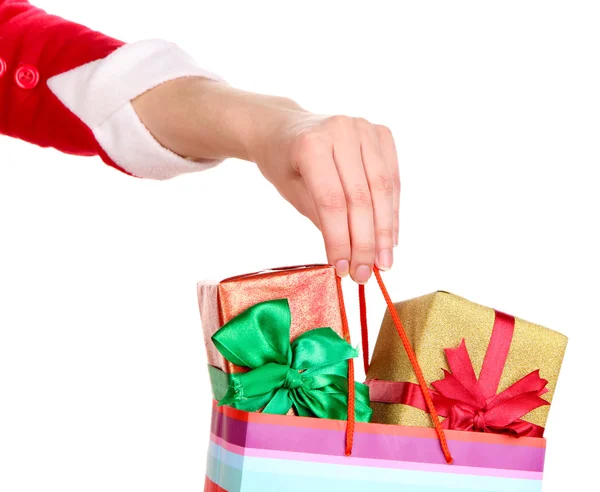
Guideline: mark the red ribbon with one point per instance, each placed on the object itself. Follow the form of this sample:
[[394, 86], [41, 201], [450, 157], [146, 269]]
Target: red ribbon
[[471, 404]]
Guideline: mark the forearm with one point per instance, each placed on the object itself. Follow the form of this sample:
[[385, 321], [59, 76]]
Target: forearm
[[203, 119]]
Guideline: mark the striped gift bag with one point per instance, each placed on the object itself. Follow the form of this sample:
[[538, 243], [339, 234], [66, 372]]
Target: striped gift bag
[[259, 452], [251, 452]]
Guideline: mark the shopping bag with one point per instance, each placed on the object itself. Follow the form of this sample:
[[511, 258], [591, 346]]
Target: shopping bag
[[252, 452], [262, 452]]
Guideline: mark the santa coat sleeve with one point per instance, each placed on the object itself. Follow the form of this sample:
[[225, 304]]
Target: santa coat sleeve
[[65, 86]]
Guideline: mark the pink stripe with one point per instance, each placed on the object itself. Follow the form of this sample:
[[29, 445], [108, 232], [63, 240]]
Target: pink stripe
[[367, 462], [371, 428], [375, 446], [233, 448]]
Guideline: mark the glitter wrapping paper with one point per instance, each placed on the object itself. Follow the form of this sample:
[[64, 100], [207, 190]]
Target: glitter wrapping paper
[[441, 320], [312, 292]]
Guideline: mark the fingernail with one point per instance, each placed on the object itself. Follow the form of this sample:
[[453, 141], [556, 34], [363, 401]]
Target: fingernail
[[342, 267], [362, 274], [385, 259]]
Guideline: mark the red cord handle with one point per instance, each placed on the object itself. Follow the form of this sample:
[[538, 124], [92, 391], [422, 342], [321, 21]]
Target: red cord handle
[[364, 330], [351, 390], [365, 344]]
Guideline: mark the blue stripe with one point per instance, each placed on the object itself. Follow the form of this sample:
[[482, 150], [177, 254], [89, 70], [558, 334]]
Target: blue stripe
[[220, 471]]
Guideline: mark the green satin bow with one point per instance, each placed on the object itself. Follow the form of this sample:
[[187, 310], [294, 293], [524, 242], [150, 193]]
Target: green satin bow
[[309, 374]]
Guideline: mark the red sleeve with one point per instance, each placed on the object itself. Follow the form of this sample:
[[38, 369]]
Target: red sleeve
[[65, 86], [35, 46]]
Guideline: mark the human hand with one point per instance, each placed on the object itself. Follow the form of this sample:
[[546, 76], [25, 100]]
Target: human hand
[[340, 172]]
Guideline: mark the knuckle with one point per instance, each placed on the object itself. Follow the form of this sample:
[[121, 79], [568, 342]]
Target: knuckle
[[331, 202], [384, 183], [338, 245], [342, 122], [313, 142], [364, 248], [384, 233], [383, 132], [396, 180], [365, 126], [360, 196]]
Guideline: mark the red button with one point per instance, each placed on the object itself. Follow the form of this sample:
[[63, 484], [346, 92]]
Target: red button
[[27, 77], [2, 67]]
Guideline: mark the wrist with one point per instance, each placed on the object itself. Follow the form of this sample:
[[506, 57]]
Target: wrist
[[241, 124]]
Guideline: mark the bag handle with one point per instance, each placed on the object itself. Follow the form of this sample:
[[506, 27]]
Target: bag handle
[[365, 346]]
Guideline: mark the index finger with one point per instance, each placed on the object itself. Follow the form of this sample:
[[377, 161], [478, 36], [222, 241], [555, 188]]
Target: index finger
[[317, 167]]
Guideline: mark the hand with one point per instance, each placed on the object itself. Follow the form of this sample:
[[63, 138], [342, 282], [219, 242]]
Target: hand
[[340, 172]]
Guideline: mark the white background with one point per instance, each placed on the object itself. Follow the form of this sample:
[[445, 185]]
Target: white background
[[496, 110]]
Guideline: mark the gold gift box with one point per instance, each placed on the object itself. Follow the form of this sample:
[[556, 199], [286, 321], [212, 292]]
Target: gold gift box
[[442, 320], [312, 292]]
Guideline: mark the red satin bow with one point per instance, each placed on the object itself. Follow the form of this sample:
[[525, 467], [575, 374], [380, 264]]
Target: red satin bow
[[461, 398], [471, 404]]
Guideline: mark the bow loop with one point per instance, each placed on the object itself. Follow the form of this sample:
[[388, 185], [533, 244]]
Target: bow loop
[[462, 370], [259, 327], [306, 374], [321, 344]]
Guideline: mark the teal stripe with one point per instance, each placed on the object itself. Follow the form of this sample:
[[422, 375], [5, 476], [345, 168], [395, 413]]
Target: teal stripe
[[220, 472], [233, 460], [277, 482], [268, 474]]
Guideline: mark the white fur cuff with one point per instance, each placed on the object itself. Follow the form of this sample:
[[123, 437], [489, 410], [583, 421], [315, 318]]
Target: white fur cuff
[[100, 93]]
